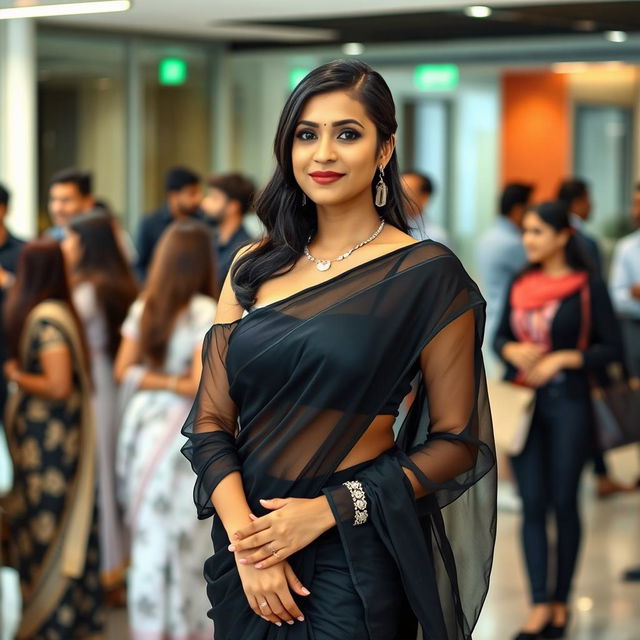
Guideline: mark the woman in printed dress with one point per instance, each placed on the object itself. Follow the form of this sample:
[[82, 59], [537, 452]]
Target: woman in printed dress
[[51, 512], [103, 289], [159, 366]]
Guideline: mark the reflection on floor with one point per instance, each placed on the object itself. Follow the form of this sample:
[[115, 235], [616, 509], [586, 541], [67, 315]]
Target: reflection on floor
[[604, 607]]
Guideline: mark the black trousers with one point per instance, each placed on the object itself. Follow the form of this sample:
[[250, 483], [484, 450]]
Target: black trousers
[[547, 473]]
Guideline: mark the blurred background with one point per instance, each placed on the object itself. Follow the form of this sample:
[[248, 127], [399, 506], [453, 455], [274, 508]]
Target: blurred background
[[526, 91]]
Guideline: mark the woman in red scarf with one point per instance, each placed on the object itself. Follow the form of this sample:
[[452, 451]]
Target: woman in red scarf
[[557, 327]]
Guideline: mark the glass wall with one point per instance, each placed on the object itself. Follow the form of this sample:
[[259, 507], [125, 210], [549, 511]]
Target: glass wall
[[124, 108], [176, 113], [82, 113]]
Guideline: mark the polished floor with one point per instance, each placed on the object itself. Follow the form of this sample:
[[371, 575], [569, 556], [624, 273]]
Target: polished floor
[[604, 607]]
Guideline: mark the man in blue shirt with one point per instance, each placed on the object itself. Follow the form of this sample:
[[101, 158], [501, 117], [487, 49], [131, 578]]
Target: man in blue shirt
[[183, 200], [500, 255], [625, 286], [420, 189]]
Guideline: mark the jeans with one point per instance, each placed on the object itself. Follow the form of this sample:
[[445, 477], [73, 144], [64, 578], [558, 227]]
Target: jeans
[[547, 473]]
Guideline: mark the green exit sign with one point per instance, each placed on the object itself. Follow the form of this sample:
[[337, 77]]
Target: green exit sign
[[172, 71], [436, 77], [296, 76]]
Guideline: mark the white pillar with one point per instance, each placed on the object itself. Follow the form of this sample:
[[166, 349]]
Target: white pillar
[[18, 125]]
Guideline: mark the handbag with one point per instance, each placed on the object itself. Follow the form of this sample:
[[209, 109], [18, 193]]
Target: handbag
[[616, 405], [616, 412], [512, 407]]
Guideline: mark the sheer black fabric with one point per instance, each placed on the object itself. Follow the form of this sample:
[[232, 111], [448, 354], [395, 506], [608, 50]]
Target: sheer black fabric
[[288, 390]]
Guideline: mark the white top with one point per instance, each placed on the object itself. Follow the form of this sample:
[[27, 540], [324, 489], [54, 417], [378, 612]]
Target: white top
[[625, 272], [95, 325], [189, 330]]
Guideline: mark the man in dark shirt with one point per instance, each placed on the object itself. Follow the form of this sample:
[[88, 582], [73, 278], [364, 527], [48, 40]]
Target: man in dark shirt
[[575, 193], [228, 199], [10, 248], [183, 200]]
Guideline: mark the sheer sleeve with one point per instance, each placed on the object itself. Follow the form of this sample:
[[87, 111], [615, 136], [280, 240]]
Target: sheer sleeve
[[211, 426], [452, 455]]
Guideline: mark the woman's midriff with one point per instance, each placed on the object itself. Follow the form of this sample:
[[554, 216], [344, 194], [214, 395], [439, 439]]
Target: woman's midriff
[[377, 439]]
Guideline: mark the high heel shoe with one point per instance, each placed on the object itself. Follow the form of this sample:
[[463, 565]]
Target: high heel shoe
[[555, 631], [531, 635]]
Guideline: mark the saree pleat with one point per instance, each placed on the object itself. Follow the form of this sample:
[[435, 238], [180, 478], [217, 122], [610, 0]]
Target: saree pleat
[[288, 391]]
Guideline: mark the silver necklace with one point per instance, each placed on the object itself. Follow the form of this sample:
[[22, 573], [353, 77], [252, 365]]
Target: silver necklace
[[324, 265]]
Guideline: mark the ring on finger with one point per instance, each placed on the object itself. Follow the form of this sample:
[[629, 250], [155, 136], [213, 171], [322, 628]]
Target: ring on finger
[[273, 551], [264, 604]]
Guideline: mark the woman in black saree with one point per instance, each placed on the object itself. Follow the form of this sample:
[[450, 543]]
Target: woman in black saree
[[337, 527]]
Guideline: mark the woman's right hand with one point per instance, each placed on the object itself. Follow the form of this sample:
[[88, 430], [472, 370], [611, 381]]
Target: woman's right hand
[[271, 588], [522, 355]]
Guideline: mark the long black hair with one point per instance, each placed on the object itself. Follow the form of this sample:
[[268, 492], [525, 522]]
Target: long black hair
[[288, 223], [556, 214], [103, 264]]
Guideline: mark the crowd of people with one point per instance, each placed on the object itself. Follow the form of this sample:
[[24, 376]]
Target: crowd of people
[[555, 325], [101, 347]]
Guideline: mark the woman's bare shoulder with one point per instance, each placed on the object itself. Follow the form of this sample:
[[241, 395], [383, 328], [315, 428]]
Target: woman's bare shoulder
[[229, 309]]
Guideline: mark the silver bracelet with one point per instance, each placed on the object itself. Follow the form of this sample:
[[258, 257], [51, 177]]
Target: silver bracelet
[[361, 515]]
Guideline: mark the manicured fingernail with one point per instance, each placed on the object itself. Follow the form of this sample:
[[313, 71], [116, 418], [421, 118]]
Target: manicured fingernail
[[258, 566], [306, 591], [263, 500], [232, 547], [279, 624], [301, 618], [290, 622], [243, 561]]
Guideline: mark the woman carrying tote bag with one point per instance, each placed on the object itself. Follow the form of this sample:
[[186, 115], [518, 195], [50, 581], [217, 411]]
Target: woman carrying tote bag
[[549, 344]]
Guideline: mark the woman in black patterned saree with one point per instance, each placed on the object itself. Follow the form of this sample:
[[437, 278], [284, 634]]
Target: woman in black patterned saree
[[326, 521], [50, 512]]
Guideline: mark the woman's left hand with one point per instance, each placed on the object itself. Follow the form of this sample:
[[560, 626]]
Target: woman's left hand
[[293, 524], [545, 370]]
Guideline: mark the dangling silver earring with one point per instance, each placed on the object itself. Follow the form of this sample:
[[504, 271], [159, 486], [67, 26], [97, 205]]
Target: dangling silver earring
[[304, 199], [381, 189]]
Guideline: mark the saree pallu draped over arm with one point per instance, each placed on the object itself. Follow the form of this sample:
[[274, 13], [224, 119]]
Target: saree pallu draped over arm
[[288, 391]]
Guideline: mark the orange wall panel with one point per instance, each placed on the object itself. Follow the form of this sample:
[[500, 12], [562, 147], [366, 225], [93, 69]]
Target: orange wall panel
[[536, 130]]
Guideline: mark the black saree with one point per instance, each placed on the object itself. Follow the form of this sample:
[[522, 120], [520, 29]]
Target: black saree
[[288, 390]]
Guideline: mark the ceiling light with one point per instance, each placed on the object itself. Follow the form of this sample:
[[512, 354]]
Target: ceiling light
[[569, 67], [585, 25], [353, 48], [478, 11], [65, 9], [616, 36]]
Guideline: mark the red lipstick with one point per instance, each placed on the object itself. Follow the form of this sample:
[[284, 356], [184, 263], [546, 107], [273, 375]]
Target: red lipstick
[[326, 177]]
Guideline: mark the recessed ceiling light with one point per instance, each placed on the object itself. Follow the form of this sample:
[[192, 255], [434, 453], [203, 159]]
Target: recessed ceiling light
[[65, 9], [616, 36], [478, 11], [353, 48]]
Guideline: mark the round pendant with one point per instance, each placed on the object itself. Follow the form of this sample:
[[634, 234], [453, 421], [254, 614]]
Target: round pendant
[[323, 265]]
